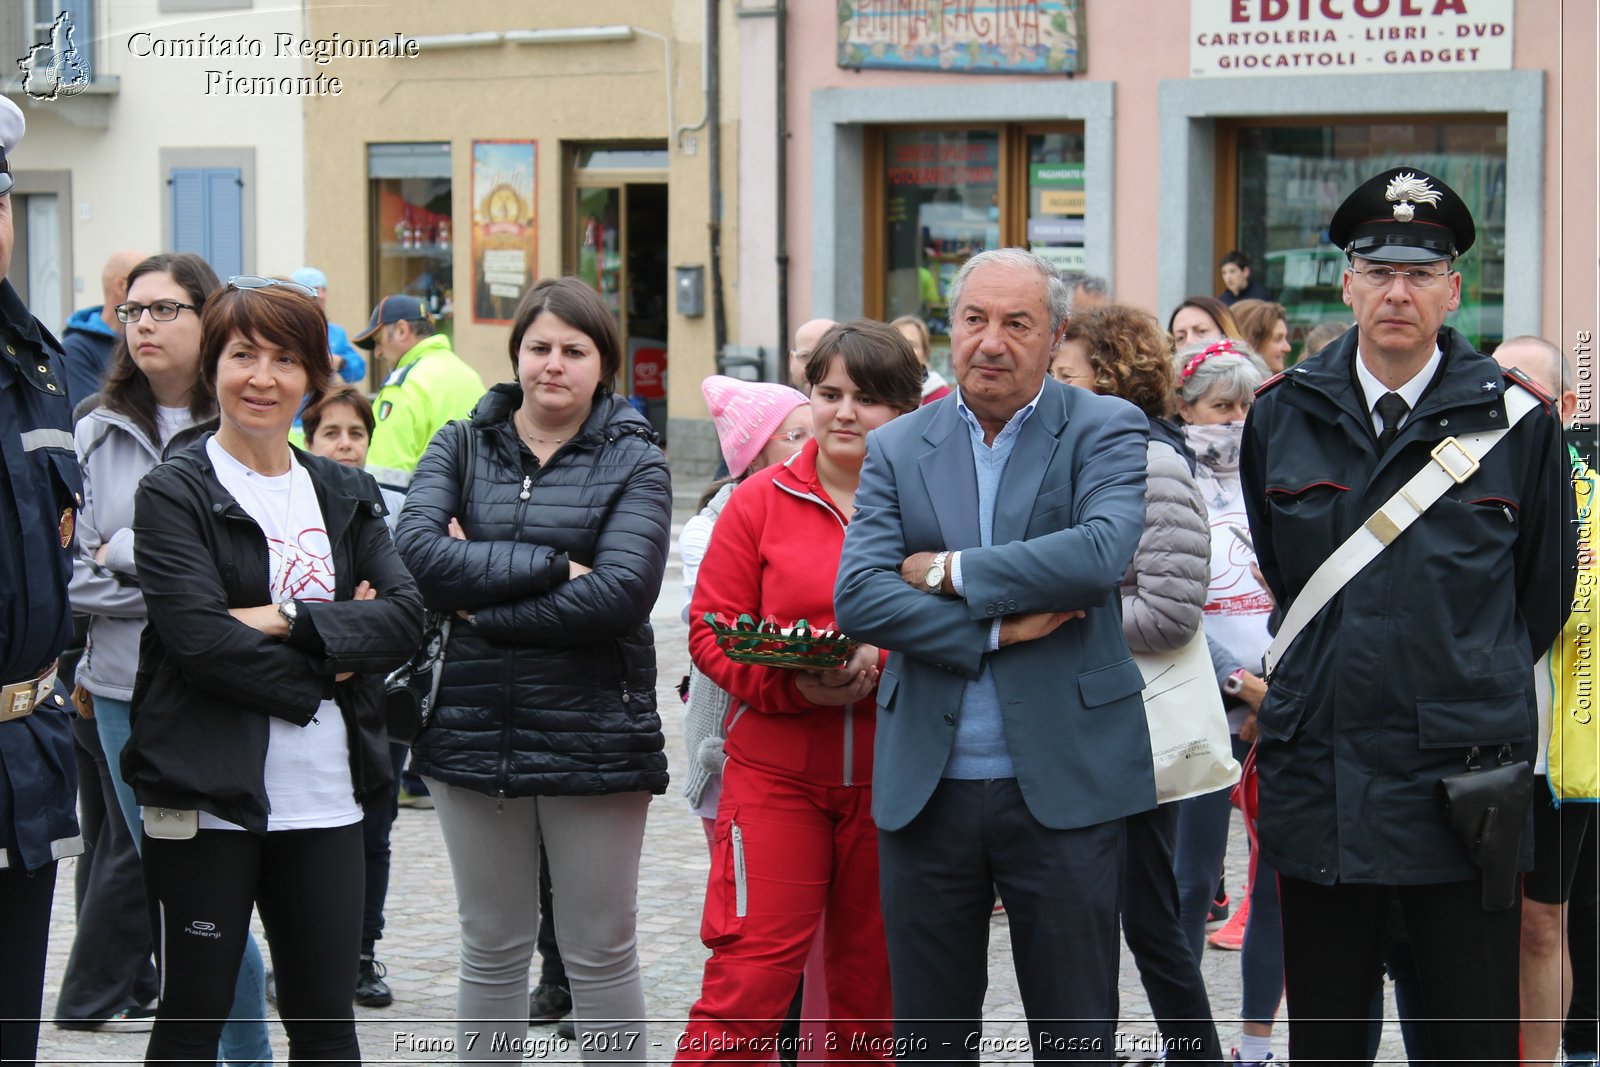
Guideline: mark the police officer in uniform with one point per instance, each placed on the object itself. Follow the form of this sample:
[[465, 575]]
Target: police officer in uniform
[[39, 496], [1425, 654]]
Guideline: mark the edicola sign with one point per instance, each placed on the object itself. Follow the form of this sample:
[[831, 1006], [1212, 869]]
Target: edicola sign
[[1254, 37]]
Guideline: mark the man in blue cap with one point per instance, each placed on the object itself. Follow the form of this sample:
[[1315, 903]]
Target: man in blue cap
[[346, 360], [1419, 664], [40, 493]]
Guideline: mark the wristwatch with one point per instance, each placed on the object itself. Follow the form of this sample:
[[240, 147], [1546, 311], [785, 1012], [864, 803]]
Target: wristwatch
[[290, 610], [1233, 684], [935, 579]]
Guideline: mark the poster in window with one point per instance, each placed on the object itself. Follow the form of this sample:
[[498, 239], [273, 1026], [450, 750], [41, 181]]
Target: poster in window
[[504, 227], [1016, 37]]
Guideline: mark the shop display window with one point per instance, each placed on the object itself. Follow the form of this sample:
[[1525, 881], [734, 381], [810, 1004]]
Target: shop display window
[[1288, 179], [412, 223], [938, 196]]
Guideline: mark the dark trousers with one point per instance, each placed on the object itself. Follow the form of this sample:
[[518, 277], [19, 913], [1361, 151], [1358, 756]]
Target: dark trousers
[[109, 968], [1060, 889], [1583, 937], [377, 823], [551, 970], [1466, 959], [25, 898], [1150, 924], [306, 885]]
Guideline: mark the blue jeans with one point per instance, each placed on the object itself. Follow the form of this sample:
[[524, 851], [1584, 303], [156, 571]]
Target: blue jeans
[[244, 1038]]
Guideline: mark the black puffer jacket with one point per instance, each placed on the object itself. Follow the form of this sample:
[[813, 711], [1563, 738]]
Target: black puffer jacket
[[207, 682], [551, 691]]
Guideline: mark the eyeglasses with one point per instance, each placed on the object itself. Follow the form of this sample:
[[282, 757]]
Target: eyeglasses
[[160, 310], [1383, 277], [799, 433], [6, 180], [255, 281]]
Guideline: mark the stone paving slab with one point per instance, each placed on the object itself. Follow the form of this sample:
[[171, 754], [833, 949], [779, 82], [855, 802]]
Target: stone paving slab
[[420, 941]]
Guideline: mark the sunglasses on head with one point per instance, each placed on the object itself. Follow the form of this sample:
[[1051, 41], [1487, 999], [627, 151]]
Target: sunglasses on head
[[255, 281]]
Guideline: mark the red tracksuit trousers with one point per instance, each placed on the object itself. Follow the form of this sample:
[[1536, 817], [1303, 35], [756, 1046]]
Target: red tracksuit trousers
[[786, 854]]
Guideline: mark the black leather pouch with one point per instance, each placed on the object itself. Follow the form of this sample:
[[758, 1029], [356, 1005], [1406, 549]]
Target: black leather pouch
[[1488, 809]]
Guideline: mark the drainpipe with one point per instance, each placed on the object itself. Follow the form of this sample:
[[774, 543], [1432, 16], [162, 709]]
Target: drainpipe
[[781, 14], [719, 315]]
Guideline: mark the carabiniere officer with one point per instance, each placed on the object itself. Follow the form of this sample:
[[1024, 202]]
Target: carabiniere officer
[[40, 492]]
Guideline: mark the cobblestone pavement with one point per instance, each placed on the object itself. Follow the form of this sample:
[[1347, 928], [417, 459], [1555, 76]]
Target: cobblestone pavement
[[420, 940]]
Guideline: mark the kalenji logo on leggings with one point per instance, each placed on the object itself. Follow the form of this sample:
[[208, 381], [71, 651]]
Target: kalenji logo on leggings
[[200, 928]]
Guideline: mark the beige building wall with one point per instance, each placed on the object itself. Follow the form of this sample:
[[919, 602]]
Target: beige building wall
[[112, 141], [556, 94]]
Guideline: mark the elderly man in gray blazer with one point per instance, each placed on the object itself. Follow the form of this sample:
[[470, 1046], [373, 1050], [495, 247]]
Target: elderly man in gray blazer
[[991, 533]]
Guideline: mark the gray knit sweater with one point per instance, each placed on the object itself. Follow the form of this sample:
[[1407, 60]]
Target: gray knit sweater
[[1165, 588]]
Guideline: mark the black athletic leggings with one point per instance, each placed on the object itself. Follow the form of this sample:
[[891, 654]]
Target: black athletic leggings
[[307, 885]]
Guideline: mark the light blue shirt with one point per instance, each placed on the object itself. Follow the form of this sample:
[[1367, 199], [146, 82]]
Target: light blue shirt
[[980, 749]]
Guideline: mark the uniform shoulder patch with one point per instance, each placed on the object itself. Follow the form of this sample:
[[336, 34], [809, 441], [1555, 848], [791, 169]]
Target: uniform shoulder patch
[[1269, 383], [383, 410], [1517, 376]]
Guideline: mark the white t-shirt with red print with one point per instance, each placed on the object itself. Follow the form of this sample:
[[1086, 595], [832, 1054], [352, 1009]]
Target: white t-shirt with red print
[[308, 767]]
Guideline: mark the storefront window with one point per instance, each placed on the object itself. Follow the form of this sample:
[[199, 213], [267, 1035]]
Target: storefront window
[[412, 223], [948, 194], [1292, 178]]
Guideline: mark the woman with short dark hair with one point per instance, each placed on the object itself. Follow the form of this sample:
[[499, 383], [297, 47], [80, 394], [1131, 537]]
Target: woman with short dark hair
[[545, 726], [276, 604], [794, 845]]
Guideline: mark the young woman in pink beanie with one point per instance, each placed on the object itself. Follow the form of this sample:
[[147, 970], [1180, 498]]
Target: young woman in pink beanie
[[758, 424]]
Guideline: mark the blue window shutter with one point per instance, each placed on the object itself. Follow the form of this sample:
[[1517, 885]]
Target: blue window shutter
[[208, 216], [188, 210], [225, 220]]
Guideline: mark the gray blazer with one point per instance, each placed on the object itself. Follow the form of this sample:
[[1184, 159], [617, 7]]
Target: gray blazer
[[1068, 516]]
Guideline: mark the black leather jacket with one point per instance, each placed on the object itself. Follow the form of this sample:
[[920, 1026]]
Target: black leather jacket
[[207, 683], [551, 691]]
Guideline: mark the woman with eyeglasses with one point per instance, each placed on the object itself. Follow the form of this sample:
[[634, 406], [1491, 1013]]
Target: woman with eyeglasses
[[153, 405], [277, 602]]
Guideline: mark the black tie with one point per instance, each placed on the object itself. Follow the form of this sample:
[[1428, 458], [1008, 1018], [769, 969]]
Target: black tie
[[1392, 409]]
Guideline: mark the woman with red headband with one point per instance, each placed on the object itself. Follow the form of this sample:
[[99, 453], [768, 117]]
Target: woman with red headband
[[1217, 380]]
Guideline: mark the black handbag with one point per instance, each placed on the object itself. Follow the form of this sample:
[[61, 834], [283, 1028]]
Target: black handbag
[[1488, 809], [410, 690]]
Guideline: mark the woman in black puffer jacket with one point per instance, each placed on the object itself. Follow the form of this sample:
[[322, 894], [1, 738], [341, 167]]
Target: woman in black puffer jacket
[[546, 723]]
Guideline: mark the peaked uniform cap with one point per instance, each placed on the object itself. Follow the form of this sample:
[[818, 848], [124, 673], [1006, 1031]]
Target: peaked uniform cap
[[1403, 215]]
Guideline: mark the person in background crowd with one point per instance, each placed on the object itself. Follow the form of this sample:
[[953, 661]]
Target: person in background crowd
[[989, 536], [277, 602], [1559, 832], [1320, 335], [426, 386], [339, 427], [152, 404], [915, 331], [1201, 318], [758, 424], [92, 333], [1236, 281], [805, 339], [1216, 385], [1121, 351], [38, 784], [1265, 327], [346, 359], [794, 844], [553, 564], [1089, 291], [1369, 710]]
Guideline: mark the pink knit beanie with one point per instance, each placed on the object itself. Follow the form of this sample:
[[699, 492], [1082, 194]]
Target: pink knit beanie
[[747, 414]]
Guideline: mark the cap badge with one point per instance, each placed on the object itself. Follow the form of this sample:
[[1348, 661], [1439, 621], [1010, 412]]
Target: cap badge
[[1404, 188]]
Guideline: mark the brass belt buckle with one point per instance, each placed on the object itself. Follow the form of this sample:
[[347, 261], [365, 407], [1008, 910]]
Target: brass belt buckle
[[1440, 450], [18, 699]]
